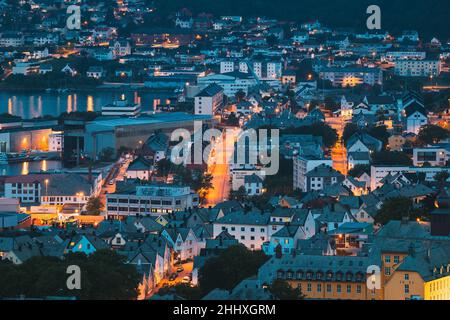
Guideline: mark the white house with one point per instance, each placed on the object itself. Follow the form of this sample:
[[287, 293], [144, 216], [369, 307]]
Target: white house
[[253, 185], [209, 100], [251, 228]]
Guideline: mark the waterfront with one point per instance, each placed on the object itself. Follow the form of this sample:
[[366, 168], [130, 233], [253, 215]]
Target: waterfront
[[30, 105], [24, 168]]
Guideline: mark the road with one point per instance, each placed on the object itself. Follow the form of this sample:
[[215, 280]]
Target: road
[[338, 151], [219, 167], [188, 267]]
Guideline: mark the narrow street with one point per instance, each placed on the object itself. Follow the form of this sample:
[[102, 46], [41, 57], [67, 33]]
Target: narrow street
[[219, 168]]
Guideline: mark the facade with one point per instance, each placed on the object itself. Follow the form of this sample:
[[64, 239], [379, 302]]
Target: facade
[[121, 108], [302, 165], [251, 229], [231, 82], [151, 199], [435, 156], [350, 77], [322, 176], [209, 100], [418, 68], [322, 277]]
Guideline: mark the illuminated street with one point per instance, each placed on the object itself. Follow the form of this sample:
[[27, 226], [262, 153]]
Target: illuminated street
[[220, 171]]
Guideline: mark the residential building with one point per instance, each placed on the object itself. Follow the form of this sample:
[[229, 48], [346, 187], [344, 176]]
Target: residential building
[[131, 198], [209, 100]]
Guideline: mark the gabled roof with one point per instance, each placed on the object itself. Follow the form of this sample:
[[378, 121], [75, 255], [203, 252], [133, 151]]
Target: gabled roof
[[415, 107], [210, 91], [241, 218]]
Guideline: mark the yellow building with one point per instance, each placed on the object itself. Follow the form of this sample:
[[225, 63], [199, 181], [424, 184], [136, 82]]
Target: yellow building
[[423, 273], [323, 277]]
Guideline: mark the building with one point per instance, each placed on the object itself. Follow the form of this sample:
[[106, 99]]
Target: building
[[140, 169], [321, 177], [378, 172], [209, 100], [434, 156], [418, 68], [304, 164], [321, 277], [231, 82], [251, 228], [95, 72], [253, 185], [133, 132], [120, 48], [121, 108], [351, 76], [416, 117], [132, 198], [52, 189]]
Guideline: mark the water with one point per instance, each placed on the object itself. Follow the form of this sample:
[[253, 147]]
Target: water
[[31, 105], [24, 168]]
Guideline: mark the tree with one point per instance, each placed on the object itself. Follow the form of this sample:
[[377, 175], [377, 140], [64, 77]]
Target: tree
[[104, 275], [394, 158], [282, 290], [107, 154], [239, 96], [231, 267], [380, 133], [349, 130], [430, 134], [238, 195], [94, 206], [359, 169], [330, 104], [441, 177], [396, 209]]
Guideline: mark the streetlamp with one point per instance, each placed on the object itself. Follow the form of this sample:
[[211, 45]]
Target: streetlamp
[[46, 187]]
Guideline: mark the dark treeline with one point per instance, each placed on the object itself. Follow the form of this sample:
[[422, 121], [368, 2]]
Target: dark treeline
[[430, 17]]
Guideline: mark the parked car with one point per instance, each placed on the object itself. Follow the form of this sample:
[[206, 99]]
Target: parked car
[[186, 280], [173, 276]]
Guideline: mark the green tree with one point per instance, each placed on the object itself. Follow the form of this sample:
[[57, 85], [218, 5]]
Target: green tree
[[349, 130], [238, 195], [107, 154], [430, 134], [104, 275], [94, 206], [282, 290], [396, 209], [385, 157], [441, 177], [231, 267], [359, 169], [380, 133]]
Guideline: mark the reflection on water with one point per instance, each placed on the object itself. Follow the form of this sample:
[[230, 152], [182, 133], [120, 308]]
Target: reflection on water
[[25, 168], [31, 105]]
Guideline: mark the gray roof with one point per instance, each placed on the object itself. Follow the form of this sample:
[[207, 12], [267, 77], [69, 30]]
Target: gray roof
[[241, 218]]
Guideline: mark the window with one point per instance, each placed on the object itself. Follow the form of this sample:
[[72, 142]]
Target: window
[[349, 288], [387, 259], [387, 271], [406, 276], [328, 287], [406, 288], [308, 287], [319, 287], [358, 288], [338, 288], [396, 259]]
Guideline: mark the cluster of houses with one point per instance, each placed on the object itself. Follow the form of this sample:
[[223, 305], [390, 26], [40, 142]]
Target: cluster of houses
[[324, 237]]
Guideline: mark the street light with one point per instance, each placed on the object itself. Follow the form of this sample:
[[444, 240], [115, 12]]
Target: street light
[[46, 187]]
